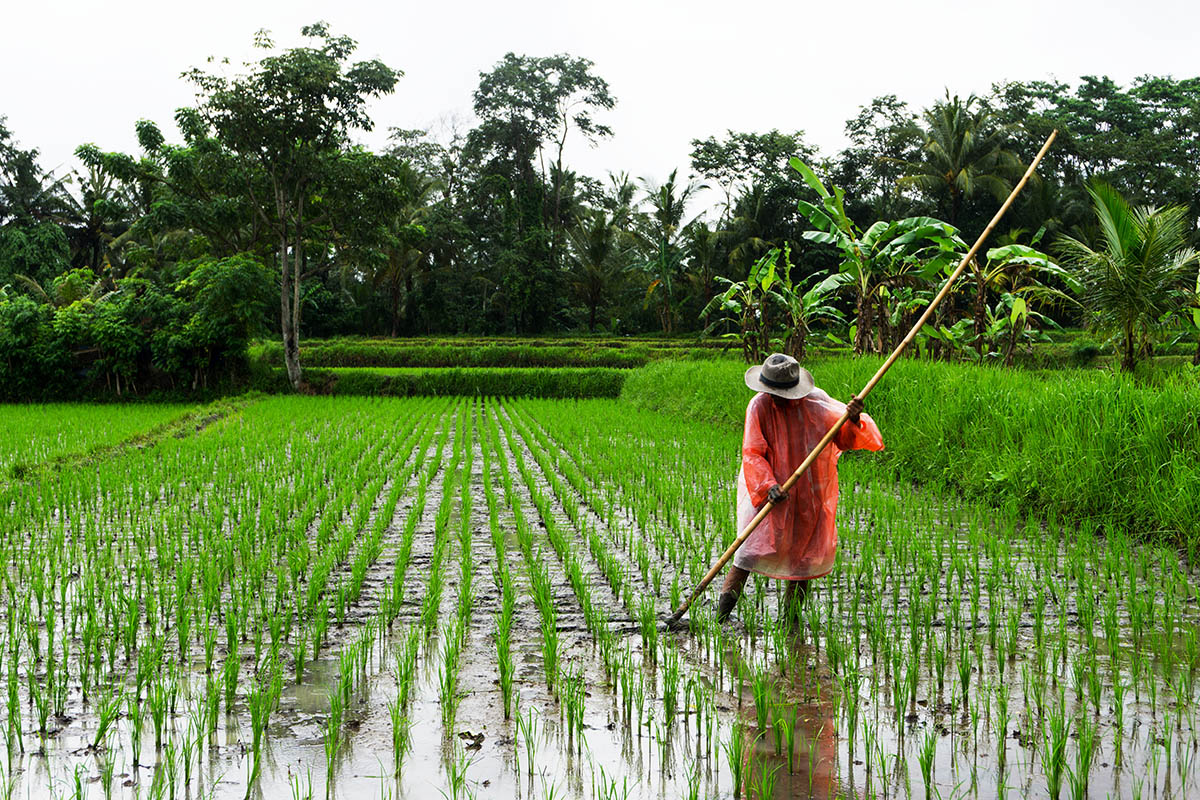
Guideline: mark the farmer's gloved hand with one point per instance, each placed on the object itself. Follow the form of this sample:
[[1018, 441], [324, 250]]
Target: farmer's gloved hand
[[854, 407], [776, 495]]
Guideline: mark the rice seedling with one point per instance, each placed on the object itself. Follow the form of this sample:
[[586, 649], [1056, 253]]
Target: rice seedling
[[332, 736], [1085, 751], [527, 733], [785, 732], [766, 779], [574, 695], [401, 733], [1055, 758], [925, 759], [735, 748], [108, 708], [137, 721], [760, 685]]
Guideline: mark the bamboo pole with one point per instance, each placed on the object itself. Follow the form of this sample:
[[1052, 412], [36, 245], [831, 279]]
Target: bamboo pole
[[674, 619]]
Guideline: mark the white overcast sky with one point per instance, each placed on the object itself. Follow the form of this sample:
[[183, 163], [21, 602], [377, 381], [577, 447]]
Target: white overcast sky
[[74, 72]]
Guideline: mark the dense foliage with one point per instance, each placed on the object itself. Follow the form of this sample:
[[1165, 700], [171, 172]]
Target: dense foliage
[[187, 328], [488, 230]]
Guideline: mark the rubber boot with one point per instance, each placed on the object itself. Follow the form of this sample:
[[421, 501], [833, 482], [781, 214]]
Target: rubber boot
[[725, 605], [735, 581]]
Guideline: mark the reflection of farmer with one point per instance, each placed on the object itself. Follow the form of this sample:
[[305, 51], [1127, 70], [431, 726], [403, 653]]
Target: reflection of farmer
[[797, 541], [813, 769]]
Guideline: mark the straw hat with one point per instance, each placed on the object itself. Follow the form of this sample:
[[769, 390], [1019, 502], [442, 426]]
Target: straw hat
[[781, 376]]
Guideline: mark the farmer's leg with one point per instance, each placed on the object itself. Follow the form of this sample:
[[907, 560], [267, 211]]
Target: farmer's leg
[[794, 599], [735, 581]]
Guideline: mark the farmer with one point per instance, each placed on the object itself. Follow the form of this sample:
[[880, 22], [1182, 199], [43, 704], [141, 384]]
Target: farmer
[[797, 541]]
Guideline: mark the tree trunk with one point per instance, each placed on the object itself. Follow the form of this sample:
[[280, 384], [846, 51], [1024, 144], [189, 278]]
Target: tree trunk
[[395, 306], [1129, 350], [291, 347], [1196, 357], [862, 335], [592, 317], [884, 326], [797, 345], [408, 291], [1012, 343]]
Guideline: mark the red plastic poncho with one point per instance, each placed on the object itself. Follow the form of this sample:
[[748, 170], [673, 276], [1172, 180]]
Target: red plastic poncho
[[798, 539]]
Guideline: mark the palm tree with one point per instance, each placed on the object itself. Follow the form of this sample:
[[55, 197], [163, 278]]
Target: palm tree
[[704, 253], [407, 245], [962, 155], [660, 238], [594, 249], [100, 214], [744, 229], [1134, 274]]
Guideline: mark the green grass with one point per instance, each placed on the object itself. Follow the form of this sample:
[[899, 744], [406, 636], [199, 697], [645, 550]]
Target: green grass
[[563, 382], [1083, 444], [34, 434]]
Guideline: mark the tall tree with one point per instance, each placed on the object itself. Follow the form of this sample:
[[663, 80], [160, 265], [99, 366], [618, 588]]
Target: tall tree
[[32, 243], [595, 251], [743, 159], [883, 138], [662, 242], [963, 154], [288, 120], [528, 106]]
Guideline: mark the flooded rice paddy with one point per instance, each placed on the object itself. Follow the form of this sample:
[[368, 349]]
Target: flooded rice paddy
[[463, 598]]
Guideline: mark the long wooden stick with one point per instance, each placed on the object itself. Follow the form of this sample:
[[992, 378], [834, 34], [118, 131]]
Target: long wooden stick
[[837, 426]]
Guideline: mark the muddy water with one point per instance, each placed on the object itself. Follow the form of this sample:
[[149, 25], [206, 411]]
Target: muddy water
[[628, 755]]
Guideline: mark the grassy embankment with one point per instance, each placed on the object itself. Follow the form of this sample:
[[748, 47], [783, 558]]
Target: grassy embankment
[[496, 367], [1092, 447]]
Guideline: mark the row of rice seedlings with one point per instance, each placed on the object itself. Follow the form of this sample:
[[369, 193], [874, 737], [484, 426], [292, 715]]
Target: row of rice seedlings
[[505, 666], [405, 661], [431, 603], [539, 576], [620, 665], [679, 517], [356, 656], [628, 678], [454, 640]]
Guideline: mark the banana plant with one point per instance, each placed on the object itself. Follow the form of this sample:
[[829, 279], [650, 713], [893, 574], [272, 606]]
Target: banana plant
[[746, 307], [912, 249], [769, 311], [1011, 321], [1022, 271], [806, 306]]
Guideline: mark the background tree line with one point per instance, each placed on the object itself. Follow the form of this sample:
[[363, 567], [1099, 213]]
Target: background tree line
[[157, 266]]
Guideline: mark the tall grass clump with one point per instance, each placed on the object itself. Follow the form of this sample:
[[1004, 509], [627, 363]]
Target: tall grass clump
[[1081, 444]]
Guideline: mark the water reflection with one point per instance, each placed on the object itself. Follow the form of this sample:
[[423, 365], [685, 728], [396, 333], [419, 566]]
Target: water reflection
[[802, 710]]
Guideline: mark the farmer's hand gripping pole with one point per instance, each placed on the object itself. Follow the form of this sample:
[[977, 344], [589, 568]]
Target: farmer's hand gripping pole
[[674, 619]]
